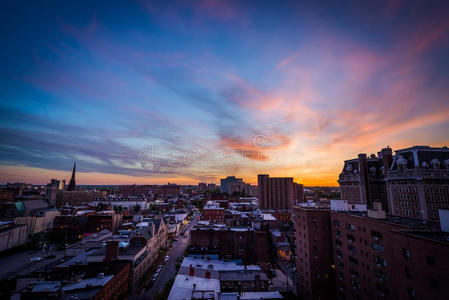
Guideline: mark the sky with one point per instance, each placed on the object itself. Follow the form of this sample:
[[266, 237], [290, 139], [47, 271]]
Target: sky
[[186, 91]]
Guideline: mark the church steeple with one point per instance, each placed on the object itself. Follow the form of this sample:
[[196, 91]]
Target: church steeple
[[72, 183]]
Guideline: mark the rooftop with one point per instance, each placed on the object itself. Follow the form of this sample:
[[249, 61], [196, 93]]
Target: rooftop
[[183, 286], [217, 265]]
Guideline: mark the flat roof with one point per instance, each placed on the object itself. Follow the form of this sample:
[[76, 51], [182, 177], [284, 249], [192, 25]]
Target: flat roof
[[183, 286], [217, 265]]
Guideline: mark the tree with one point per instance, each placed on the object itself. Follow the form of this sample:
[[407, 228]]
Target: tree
[[118, 209], [101, 207], [137, 208]]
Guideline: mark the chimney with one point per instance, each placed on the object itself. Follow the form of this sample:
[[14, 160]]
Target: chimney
[[111, 252], [257, 283], [207, 274], [363, 172], [387, 158], [191, 271]]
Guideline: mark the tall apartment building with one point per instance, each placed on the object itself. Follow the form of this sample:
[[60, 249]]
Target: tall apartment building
[[418, 182], [382, 257], [277, 192], [314, 259]]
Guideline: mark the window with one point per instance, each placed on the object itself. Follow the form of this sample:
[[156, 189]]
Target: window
[[350, 227], [405, 253], [378, 247]]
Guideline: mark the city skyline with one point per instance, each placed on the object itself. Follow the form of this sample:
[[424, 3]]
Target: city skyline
[[185, 92]]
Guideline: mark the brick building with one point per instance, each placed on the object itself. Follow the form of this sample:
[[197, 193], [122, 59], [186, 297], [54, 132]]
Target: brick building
[[374, 258], [278, 192], [213, 212], [249, 245], [313, 243]]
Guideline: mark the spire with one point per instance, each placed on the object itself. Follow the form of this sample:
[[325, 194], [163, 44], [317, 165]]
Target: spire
[[72, 183]]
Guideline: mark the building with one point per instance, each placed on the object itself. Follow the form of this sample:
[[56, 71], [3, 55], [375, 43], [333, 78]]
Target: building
[[362, 180], [226, 182], [213, 212], [104, 220], [415, 183], [103, 280], [77, 198], [380, 256], [215, 279], [140, 246], [277, 192], [314, 257], [418, 182], [142, 190], [241, 243], [202, 187], [126, 202], [211, 187], [12, 235], [420, 263]]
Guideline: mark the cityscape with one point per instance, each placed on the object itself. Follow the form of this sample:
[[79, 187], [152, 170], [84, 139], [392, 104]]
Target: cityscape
[[224, 150]]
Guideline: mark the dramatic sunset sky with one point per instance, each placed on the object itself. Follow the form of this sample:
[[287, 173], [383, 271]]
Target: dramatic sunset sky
[[189, 91]]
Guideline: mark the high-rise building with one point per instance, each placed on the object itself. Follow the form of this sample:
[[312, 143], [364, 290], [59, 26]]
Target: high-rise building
[[72, 183], [418, 182], [51, 191], [224, 183], [276, 192], [314, 259]]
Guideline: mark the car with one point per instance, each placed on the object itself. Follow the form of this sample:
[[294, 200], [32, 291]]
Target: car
[[166, 258], [36, 258], [158, 270]]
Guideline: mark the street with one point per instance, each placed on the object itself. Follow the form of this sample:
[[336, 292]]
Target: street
[[20, 264], [169, 269]]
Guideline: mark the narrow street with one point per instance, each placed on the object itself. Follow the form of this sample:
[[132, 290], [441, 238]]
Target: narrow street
[[169, 269]]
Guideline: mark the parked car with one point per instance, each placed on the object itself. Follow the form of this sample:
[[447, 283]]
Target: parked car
[[166, 258], [155, 276], [36, 258]]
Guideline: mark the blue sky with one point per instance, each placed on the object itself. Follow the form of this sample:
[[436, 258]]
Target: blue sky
[[186, 91]]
